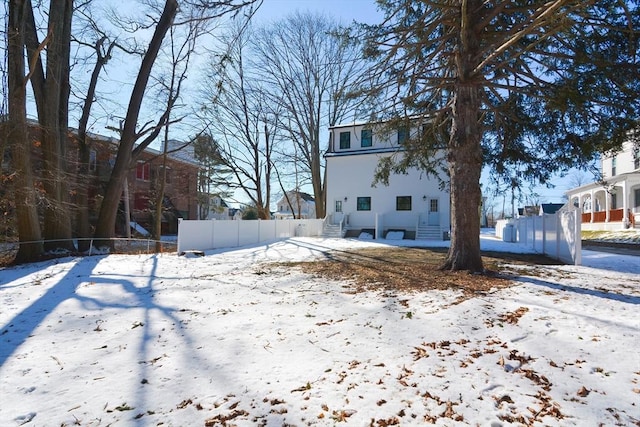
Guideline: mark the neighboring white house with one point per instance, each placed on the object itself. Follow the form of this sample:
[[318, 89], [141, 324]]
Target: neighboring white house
[[614, 203], [296, 205], [218, 208], [412, 203]]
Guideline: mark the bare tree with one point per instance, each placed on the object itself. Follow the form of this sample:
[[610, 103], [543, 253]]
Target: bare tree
[[31, 246], [130, 134], [180, 53], [50, 84], [243, 121], [307, 69]]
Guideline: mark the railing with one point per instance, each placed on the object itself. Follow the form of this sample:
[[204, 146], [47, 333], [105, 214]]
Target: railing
[[615, 215]]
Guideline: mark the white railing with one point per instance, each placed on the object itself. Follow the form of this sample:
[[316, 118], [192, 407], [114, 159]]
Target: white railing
[[212, 234], [557, 235]]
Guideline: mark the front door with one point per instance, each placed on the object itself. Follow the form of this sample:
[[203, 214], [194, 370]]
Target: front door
[[434, 212], [337, 215]]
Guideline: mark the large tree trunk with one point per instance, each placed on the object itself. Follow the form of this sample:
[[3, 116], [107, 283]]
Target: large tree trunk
[[31, 247], [318, 185], [465, 150], [51, 93], [109, 209], [465, 166], [83, 227]]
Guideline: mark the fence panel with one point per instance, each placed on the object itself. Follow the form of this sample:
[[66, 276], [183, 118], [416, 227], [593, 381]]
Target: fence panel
[[557, 235], [212, 234]]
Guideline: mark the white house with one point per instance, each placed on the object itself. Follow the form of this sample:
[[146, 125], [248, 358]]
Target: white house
[[613, 203], [412, 203], [217, 208], [296, 205]]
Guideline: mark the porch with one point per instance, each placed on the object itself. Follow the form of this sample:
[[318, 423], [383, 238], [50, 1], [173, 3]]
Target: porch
[[613, 204]]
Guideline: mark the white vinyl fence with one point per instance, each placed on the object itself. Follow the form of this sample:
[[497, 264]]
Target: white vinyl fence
[[557, 235], [212, 234]]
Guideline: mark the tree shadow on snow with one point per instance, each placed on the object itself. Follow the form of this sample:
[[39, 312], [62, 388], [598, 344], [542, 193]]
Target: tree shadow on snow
[[599, 293]]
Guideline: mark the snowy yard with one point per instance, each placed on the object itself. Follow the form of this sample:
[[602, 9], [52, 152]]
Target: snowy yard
[[227, 339]]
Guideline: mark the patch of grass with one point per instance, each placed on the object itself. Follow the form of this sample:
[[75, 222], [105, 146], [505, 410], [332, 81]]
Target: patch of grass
[[415, 270]]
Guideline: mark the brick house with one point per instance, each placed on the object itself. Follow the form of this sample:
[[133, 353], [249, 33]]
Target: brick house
[[139, 196]]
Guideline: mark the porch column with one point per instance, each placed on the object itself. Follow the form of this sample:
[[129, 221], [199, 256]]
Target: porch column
[[593, 205], [625, 203], [607, 206]]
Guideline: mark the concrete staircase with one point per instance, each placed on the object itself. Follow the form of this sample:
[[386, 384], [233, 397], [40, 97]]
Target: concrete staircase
[[428, 232], [332, 230]]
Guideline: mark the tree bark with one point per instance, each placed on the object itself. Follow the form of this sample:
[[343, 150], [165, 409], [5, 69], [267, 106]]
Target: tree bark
[[465, 167], [51, 91], [31, 247], [465, 150], [108, 211]]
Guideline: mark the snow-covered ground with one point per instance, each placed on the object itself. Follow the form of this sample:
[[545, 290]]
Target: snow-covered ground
[[231, 338]]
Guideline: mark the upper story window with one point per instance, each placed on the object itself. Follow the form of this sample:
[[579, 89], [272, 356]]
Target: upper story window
[[363, 204], [366, 138], [143, 171], [636, 157], [613, 166], [345, 140], [403, 135]]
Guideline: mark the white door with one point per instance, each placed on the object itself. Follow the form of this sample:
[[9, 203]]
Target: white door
[[337, 212], [434, 212]]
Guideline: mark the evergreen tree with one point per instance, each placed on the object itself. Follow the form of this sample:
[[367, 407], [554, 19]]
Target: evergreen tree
[[526, 88]]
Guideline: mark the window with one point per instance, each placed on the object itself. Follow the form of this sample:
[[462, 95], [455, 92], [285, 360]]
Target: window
[[366, 139], [403, 135], [403, 203], [636, 158], [614, 201], [433, 205], [93, 156], [167, 177], [363, 204], [143, 171], [345, 140], [338, 205], [141, 202], [613, 166]]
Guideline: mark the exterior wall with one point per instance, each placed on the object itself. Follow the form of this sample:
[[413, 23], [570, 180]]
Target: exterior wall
[[180, 189], [180, 192], [627, 160], [350, 173]]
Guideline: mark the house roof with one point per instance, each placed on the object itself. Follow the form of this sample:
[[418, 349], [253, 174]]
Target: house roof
[[551, 208]]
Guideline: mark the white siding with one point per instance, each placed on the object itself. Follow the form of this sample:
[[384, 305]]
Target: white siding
[[350, 175]]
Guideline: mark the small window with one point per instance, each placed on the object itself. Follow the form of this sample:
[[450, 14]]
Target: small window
[[345, 140], [338, 205], [143, 171], [403, 203], [364, 204], [433, 205], [93, 160], [636, 158], [366, 139], [167, 176], [403, 135], [613, 166]]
